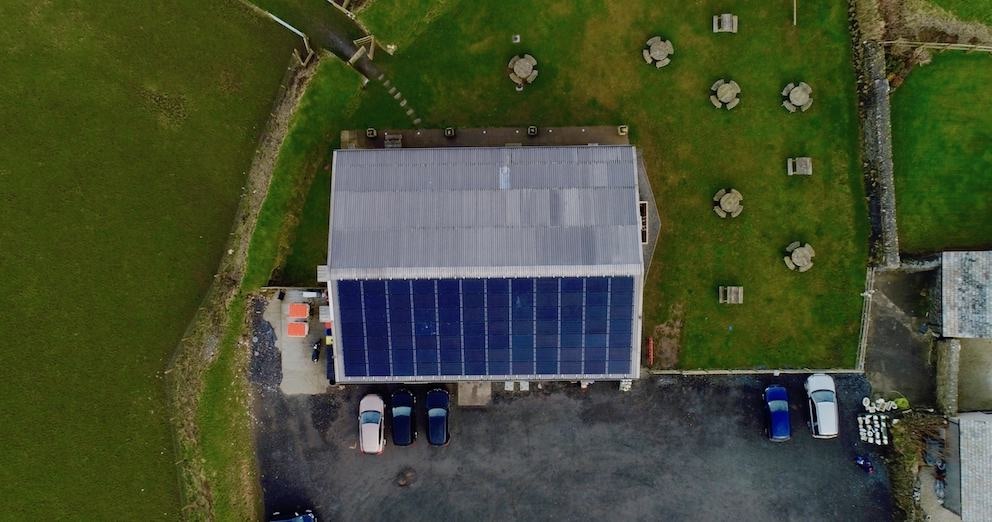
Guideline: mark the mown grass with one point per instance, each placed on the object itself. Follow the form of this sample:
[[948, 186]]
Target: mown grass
[[979, 11], [126, 131], [941, 136], [591, 72]]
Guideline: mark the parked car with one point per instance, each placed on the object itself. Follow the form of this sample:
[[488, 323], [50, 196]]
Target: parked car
[[371, 433], [777, 413], [822, 396], [307, 516], [437, 417], [404, 424]]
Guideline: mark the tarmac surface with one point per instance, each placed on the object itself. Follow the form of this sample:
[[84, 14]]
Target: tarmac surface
[[673, 448], [900, 358]]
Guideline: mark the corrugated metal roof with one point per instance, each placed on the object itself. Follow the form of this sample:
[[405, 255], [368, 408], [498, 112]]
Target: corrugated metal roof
[[484, 212], [966, 300], [976, 467]]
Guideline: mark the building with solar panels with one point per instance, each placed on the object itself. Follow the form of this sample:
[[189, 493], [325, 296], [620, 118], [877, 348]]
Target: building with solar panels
[[468, 264]]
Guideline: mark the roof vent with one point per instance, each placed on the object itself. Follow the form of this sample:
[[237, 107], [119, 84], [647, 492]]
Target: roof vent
[[504, 178]]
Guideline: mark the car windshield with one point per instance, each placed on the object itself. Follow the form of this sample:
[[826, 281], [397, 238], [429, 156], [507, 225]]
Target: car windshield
[[370, 417], [823, 396], [775, 406], [436, 412], [402, 411]]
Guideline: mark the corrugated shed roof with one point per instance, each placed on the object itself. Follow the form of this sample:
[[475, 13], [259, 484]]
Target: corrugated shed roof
[[485, 212], [976, 467], [966, 303]]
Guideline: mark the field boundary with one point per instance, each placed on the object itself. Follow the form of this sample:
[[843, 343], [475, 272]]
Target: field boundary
[[865, 317], [198, 348], [770, 371], [940, 46]]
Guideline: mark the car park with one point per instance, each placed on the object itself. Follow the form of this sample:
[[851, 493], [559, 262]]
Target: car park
[[371, 430], [821, 394], [437, 416], [778, 424], [404, 425]]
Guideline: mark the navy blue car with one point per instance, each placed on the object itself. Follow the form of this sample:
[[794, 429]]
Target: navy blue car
[[404, 424], [437, 417], [777, 413], [307, 516]]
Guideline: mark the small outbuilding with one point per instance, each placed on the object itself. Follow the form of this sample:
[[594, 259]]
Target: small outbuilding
[[966, 295]]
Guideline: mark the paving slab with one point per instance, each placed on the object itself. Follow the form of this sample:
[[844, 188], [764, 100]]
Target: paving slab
[[475, 394], [300, 375]]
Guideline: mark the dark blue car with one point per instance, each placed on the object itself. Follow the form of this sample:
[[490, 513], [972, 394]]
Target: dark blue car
[[307, 516], [437, 417], [777, 413], [404, 424]]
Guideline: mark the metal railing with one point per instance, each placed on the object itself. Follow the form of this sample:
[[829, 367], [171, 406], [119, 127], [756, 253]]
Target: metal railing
[[940, 46], [865, 316]]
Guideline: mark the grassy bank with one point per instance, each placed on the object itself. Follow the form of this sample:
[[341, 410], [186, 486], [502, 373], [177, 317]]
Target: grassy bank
[[942, 156], [127, 131], [224, 420], [452, 70]]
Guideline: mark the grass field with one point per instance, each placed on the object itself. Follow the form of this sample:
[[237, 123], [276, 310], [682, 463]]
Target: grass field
[[968, 10], [942, 157], [127, 129], [450, 65]]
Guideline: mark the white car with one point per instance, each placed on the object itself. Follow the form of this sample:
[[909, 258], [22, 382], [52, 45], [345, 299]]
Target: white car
[[371, 428], [822, 396]]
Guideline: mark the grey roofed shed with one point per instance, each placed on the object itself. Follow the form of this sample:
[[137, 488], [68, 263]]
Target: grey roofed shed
[[966, 294], [484, 212], [976, 466]]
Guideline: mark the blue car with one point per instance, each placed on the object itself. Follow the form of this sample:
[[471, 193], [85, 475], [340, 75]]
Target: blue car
[[437, 417], [777, 413], [307, 516], [404, 426]]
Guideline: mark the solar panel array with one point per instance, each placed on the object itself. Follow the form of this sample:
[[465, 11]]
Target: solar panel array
[[486, 327]]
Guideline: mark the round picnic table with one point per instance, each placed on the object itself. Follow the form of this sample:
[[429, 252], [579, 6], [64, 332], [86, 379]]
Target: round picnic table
[[802, 256], [798, 96], [731, 201], [728, 91], [659, 50], [523, 68]]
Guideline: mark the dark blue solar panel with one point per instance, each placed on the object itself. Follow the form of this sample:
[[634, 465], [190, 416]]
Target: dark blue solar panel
[[497, 300], [594, 367], [620, 366], [473, 286], [479, 327]]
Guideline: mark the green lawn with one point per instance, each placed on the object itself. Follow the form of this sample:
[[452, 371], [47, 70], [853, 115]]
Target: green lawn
[[968, 10], [127, 130], [450, 65], [942, 155]]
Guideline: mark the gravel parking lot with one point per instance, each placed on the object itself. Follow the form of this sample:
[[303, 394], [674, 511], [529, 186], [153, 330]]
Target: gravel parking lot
[[675, 448]]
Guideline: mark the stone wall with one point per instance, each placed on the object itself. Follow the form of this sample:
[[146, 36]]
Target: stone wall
[[877, 156], [948, 361]]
